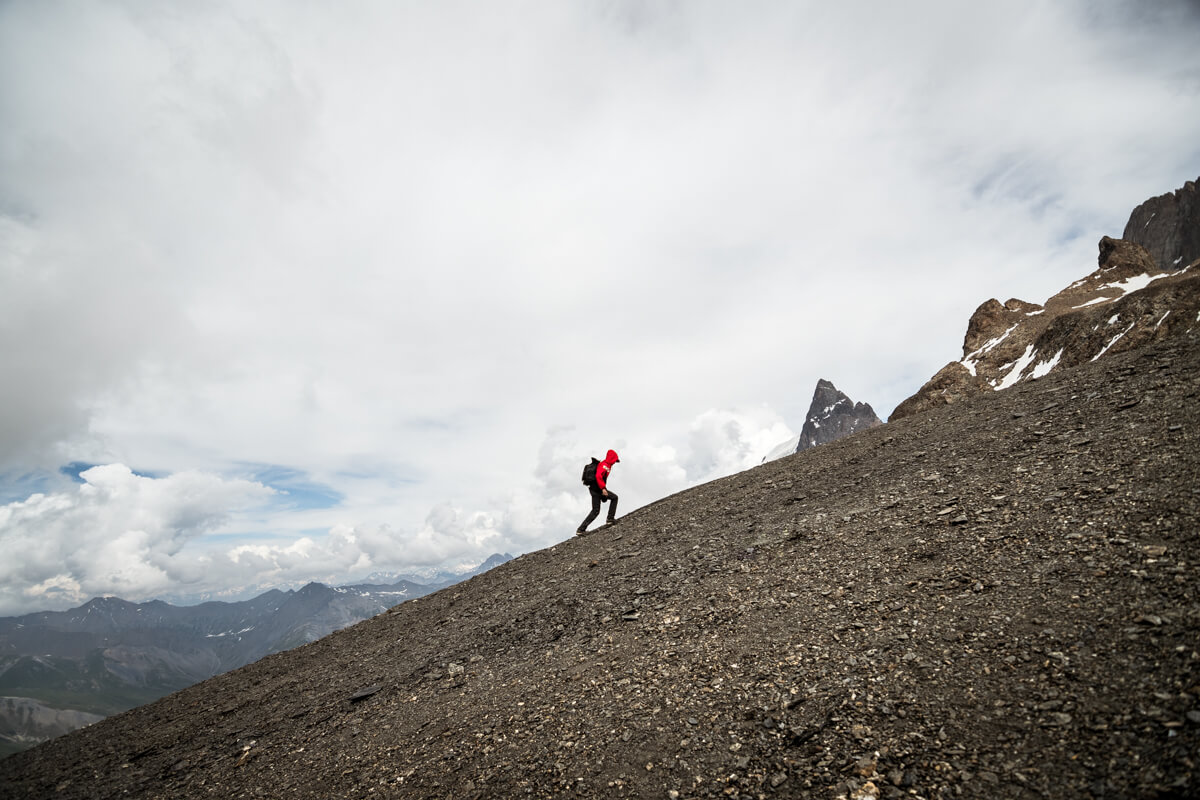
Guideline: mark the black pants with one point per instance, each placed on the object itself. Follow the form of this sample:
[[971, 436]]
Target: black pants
[[597, 499]]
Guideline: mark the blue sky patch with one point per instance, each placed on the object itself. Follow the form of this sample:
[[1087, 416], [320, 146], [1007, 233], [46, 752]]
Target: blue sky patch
[[298, 491]]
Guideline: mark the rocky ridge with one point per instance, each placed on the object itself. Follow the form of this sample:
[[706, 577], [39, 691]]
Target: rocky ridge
[[998, 597], [1127, 302]]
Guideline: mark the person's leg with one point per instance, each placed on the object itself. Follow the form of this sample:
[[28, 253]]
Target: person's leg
[[612, 505], [596, 500]]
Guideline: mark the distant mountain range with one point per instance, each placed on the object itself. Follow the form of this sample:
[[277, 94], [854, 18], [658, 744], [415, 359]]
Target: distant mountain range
[[60, 670]]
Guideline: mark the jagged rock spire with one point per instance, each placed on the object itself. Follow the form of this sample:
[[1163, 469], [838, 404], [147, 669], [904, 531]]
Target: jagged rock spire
[[833, 415]]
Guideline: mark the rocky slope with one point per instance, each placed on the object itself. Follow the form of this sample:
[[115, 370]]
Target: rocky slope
[[997, 598], [1124, 304], [1147, 287]]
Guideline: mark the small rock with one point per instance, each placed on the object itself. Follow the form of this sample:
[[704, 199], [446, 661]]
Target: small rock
[[363, 694], [865, 766], [868, 791]]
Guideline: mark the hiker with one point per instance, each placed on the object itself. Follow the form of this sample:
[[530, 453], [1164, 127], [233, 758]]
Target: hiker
[[598, 488]]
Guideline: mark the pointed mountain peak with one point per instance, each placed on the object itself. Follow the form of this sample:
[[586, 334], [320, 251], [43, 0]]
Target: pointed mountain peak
[[833, 415]]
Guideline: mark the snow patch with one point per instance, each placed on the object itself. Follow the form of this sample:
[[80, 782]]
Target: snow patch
[[1043, 368], [228, 633], [1114, 341], [1018, 367], [784, 449], [972, 359], [1134, 283], [1035, 313], [1114, 319], [1163, 317], [1095, 301]]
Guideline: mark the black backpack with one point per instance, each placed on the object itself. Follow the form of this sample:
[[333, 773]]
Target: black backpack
[[589, 473]]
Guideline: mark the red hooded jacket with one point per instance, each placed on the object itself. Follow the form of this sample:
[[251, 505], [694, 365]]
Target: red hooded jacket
[[605, 467]]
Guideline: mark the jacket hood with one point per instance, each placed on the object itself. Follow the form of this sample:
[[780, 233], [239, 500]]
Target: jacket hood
[[611, 458]]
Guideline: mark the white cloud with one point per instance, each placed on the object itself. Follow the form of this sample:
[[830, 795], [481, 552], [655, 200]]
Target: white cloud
[[118, 533], [722, 442], [387, 247]]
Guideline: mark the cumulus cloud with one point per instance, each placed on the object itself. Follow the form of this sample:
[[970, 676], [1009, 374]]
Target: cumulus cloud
[[118, 533], [721, 442]]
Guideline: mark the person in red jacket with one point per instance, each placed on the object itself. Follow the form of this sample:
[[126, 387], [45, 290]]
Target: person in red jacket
[[601, 494]]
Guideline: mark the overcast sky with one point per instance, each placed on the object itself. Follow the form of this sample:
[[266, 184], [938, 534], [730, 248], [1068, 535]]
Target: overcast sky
[[296, 291]]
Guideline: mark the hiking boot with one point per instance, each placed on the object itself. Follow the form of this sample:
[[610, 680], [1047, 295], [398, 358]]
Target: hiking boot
[[581, 533]]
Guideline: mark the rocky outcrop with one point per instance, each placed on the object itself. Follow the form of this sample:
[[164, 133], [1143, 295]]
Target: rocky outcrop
[[999, 600], [832, 415], [1168, 227], [1127, 301]]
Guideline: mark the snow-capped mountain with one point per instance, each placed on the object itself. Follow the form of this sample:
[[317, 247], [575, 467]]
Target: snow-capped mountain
[[1128, 301], [831, 415], [438, 576]]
